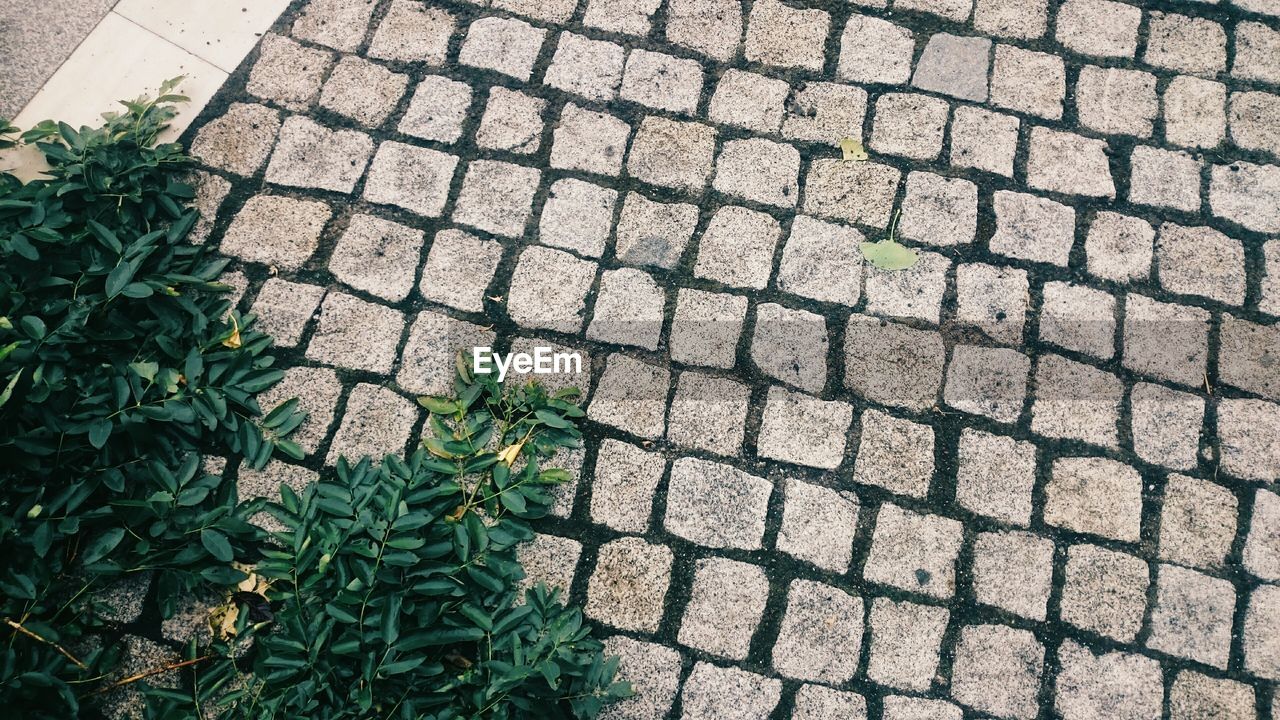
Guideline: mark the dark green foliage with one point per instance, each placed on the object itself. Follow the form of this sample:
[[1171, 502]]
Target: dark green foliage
[[393, 588], [118, 365]]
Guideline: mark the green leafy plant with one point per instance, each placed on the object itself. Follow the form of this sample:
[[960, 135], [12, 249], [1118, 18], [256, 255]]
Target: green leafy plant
[[393, 589], [120, 363]]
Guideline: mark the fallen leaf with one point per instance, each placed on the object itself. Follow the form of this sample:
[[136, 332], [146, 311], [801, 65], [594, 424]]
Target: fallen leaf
[[510, 453], [233, 341], [888, 255], [853, 150]]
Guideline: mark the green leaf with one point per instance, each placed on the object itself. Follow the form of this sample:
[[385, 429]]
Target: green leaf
[[553, 419], [101, 545], [217, 544], [888, 255], [120, 276], [99, 432]]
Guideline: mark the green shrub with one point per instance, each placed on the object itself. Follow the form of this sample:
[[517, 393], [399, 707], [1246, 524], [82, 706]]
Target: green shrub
[[119, 364], [394, 588]]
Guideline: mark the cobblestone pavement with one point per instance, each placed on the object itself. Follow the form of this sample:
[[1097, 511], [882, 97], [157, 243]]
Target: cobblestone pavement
[[1032, 476]]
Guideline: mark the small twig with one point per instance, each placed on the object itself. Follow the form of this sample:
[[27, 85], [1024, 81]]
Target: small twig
[[148, 673], [46, 641]]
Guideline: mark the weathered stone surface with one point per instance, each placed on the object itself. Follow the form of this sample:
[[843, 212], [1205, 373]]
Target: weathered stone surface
[[629, 584], [716, 505]]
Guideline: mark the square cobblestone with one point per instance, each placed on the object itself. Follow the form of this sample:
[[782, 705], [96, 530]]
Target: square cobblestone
[[437, 110], [291, 229], [1166, 425], [825, 112], [913, 293], [288, 73], [309, 155], [939, 210], [372, 255], [377, 422], [414, 178], [1246, 433], [317, 390], [710, 27], [1201, 261], [548, 559], [549, 289], [1197, 522], [363, 91], [334, 23], [653, 233], [737, 248], [620, 16], [914, 552], [1195, 112], [893, 364], [654, 674], [411, 32], [894, 454], [1116, 101], [875, 51], [1253, 120], [577, 216], [909, 125], [760, 171], [800, 429], [716, 505], [662, 81], [628, 309], [1100, 28], [987, 381], [1070, 164], [1096, 496], [950, 64], [1192, 616], [821, 261], [708, 413], [993, 299], [503, 45], [860, 193], [240, 140], [791, 346], [284, 308], [589, 141], [1194, 695], [1262, 546], [458, 270], [1247, 194], [632, 396], [586, 67], [1107, 684], [706, 328], [749, 101], [1186, 44], [821, 634], [1104, 592], [1257, 46], [995, 476], [997, 671], [1033, 228], [1013, 571], [429, 360], [1119, 247], [1024, 19], [711, 689], [629, 584], [1075, 401], [1261, 649], [1164, 178], [818, 525], [816, 702], [496, 197], [356, 334], [901, 707], [1029, 82], [784, 37], [1167, 341], [983, 140], [672, 154], [625, 479], [725, 607], [512, 122], [905, 639]]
